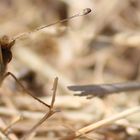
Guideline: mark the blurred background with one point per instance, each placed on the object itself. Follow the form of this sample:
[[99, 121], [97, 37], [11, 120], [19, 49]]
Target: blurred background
[[102, 47]]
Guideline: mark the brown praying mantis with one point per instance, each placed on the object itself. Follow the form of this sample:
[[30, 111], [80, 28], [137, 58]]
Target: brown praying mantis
[[6, 44], [6, 56]]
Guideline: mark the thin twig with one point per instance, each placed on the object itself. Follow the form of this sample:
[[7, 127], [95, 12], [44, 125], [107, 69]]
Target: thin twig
[[63, 101], [54, 92], [47, 115], [3, 136], [103, 122], [81, 116], [16, 120]]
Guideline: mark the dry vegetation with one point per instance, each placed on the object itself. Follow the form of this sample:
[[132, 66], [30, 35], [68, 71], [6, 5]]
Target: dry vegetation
[[102, 47]]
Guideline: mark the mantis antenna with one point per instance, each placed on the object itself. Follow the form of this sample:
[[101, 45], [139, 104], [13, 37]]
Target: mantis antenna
[[82, 13]]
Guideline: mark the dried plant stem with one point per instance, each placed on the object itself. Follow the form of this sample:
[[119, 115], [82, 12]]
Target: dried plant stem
[[47, 115], [16, 120], [6, 134], [129, 39], [62, 101], [25, 114], [81, 116], [3, 136], [103, 122]]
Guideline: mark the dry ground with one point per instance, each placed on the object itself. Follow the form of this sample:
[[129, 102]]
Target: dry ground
[[102, 47]]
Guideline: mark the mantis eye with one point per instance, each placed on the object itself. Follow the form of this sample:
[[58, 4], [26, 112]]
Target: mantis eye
[[6, 49], [7, 56]]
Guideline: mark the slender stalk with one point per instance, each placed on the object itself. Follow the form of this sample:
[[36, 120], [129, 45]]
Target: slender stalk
[[102, 123]]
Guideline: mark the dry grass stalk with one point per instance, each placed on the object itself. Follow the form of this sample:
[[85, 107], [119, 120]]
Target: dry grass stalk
[[3, 136], [102, 123], [47, 115], [16, 120]]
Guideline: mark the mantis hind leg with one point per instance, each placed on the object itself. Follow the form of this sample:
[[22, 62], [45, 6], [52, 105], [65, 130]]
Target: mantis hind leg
[[22, 87]]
